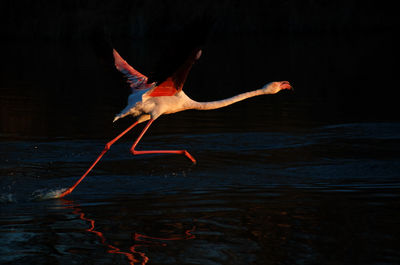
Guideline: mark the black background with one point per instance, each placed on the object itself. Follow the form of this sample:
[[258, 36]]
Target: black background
[[57, 76]]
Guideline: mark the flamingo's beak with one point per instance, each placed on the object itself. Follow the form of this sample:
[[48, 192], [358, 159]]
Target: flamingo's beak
[[286, 85]]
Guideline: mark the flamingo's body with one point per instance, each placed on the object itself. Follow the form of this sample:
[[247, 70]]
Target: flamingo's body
[[149, 101]]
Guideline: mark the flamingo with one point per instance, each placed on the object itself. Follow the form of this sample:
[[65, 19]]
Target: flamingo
[[148, 101]]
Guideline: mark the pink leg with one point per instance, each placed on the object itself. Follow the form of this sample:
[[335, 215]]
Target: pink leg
[[180, 152], [106, 148]]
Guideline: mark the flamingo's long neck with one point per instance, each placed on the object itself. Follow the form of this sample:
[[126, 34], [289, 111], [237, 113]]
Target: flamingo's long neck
[[226, 102]]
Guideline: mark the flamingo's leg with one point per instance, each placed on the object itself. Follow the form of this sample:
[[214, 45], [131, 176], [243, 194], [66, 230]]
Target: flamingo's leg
[[136, 152], [106, 148]]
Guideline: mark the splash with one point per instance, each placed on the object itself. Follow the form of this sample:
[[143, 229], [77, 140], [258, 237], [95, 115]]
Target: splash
[[7, 198], [44, 194]]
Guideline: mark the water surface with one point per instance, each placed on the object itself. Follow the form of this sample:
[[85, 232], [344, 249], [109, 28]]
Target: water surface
[[320, 195]]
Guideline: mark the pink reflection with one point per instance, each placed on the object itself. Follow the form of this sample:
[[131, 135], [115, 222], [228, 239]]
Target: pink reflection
[[134, 256]]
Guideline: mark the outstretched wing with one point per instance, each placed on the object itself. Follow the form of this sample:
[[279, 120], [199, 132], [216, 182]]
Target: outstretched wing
[[135, 79], [174, 83]]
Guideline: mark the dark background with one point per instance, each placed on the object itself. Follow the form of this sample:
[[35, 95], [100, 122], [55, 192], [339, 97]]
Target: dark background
[[57, 77]]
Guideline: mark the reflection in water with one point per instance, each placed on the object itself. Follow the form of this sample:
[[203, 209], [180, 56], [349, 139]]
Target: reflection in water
[[236, 225], [133, 255]]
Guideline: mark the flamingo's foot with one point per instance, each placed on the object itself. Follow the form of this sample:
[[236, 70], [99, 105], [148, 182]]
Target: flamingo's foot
[[186, 153], [178, 152], [65, 193]]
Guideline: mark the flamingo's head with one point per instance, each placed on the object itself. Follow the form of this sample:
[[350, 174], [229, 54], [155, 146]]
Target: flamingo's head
[[275, 87]]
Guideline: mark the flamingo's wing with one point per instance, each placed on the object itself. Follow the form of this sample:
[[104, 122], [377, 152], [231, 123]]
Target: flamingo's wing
[[135, 79], [174, 83]]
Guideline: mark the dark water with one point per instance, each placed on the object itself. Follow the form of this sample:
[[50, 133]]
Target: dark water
[[327, 194]]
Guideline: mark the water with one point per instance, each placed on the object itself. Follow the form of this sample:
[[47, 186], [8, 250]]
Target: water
[[326, 194]]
